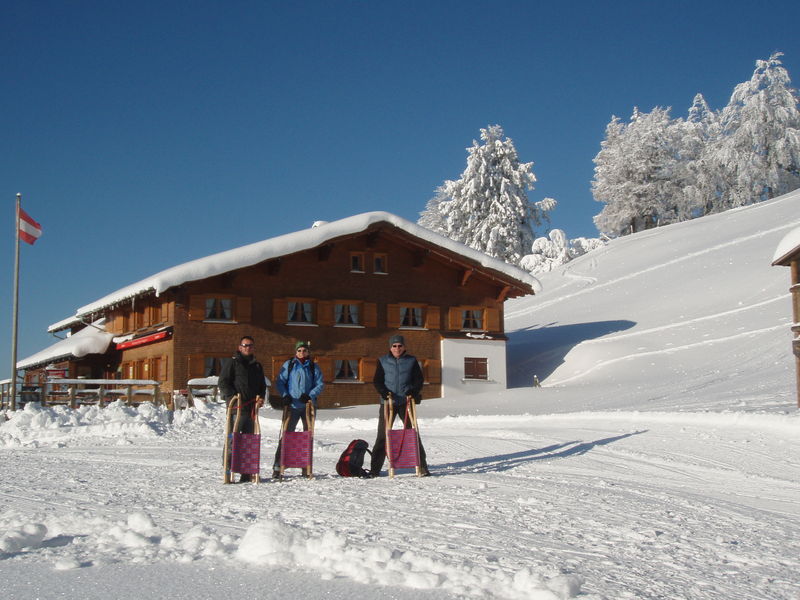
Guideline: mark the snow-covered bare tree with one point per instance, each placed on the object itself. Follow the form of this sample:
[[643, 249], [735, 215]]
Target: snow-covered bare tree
[[488, 207], [758, 153], [636, 173], [552, 251]]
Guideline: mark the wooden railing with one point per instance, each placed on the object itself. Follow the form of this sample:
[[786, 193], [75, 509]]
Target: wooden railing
[[73, 392]]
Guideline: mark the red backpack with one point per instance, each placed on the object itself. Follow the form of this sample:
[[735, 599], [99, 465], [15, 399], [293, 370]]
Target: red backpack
[[352, 460]]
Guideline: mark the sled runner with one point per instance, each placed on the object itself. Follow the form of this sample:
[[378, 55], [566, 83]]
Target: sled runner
[[352, 460], [242, 451], [402, 445], [297, 447]]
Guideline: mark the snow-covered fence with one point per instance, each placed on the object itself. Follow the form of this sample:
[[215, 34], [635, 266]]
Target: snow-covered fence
[[100, 391]]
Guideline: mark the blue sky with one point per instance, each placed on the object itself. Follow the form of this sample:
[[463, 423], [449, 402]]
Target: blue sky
[[144, 136]]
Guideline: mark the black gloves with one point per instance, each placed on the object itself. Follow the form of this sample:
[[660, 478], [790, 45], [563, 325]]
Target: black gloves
[[305, 398], [418, 399], [287, 400]]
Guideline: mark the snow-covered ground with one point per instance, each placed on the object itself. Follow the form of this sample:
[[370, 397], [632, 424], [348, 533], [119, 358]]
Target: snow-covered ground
[[658, 460]]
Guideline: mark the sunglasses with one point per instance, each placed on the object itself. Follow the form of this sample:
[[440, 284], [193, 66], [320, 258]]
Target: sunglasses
[[397, 345], [246, 345]]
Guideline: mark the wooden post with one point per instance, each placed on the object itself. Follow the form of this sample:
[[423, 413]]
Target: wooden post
[[72, 392]]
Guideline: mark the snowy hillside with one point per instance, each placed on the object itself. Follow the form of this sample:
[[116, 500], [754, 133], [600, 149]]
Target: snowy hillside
[[658, 460], [687, 317]]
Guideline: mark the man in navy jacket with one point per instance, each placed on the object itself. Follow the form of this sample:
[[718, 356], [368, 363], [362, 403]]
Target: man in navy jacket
[[397, 374]]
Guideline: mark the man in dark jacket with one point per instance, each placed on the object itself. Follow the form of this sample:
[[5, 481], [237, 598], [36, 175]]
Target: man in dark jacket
[[243, 375], [397, 374]]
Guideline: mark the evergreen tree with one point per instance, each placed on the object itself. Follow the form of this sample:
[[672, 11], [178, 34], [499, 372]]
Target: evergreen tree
[[699, 181], [758, 154], [488, 207], [636, 173]]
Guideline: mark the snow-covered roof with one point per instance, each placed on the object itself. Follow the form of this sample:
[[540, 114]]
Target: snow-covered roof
[[252, 254], [790, 244], [64, 324], [89, 340]]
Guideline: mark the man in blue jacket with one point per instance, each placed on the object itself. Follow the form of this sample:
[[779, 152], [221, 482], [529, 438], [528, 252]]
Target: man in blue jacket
[[299, 382], [398, 373]]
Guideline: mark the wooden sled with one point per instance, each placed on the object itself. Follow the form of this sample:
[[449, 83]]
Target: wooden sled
[[402, 445], [297, 447], [242, 451]]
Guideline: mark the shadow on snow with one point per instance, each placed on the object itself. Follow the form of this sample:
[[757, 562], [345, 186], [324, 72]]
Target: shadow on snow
[[540, 350], [504, 462]]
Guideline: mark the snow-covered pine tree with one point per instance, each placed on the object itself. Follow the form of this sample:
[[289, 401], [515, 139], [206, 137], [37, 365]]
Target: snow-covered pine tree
[[635, 173], [759, 150], [488, 207], [699, 134]]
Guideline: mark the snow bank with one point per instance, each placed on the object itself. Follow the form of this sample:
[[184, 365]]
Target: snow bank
[[272, 543], [79, 541]]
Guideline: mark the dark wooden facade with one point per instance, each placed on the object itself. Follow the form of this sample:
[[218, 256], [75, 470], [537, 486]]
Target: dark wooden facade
[[346, 297], [792, 260]]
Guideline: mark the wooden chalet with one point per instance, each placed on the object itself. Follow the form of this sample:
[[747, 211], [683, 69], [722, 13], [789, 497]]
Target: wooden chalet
[[345, 286], [788, 255]]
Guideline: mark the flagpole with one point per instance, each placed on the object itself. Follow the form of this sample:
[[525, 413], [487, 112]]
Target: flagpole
[[15, 312]]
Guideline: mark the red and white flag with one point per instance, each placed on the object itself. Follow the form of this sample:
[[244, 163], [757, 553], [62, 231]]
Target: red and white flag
[[29, 230]]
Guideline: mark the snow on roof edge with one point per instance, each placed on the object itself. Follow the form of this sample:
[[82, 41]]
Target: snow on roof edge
[[789, 244], [251, 254], [90, 340]]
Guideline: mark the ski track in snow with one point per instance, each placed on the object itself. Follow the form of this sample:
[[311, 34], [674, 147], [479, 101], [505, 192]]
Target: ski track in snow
[[518, 507]]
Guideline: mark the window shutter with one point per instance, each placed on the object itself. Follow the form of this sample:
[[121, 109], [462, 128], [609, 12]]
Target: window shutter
[[433, 371], [367, 369], [197, 365], [454, 318], [393, 316], [280, 308], [164, 364], [432, 318], [244, 309], [491, 319], [324, 312], [116, 324], [277, 363], [197, 310], [165, 315], [326, 366], [370, 317]]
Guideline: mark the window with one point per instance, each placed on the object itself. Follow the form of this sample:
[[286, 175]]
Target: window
[[213, 365], [219, 309], [347, 314], [411, 316], [476, 368], [471, 319], [356, 262], [346, 370], [379, 264], [300, 312]]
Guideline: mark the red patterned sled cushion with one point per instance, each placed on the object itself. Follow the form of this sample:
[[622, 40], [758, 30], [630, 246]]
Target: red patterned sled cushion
[[245, 453], [296, 449], [402, 448]]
